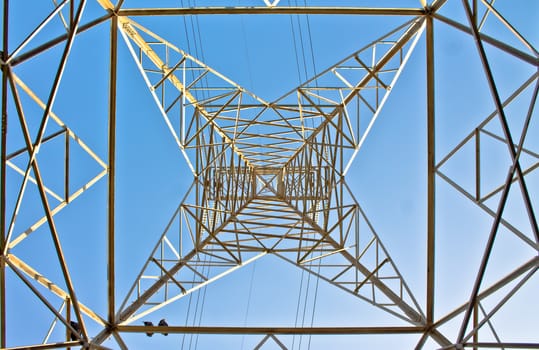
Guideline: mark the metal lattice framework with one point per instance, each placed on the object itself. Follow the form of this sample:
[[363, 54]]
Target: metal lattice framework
[[268, 178]]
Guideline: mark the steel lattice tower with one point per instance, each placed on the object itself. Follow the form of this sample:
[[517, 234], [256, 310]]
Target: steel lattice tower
[[268, 178]]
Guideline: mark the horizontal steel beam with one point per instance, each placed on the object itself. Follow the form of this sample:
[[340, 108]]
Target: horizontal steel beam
[[271, 330], [46, 346], [503, 345], [272, 11]]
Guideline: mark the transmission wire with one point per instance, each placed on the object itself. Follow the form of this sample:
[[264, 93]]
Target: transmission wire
[[298, 305], [315, 296], [203, 302], [248, 302], [302, 43], [196, 36], [315, 299]]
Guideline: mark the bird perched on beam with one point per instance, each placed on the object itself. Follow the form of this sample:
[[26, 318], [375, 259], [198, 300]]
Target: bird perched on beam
[[76, 327], [163, 323], [148, 323]]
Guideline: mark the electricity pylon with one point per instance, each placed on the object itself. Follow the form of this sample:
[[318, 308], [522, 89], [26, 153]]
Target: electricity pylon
[[268, 177]]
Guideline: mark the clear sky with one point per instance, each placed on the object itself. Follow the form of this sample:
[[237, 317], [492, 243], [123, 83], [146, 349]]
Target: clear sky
[[270, 56]]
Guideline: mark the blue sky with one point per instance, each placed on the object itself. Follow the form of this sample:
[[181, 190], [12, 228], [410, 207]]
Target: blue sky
[[388, 176]]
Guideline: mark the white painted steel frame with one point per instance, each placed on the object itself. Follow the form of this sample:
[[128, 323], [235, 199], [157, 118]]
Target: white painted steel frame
[[309, 186]]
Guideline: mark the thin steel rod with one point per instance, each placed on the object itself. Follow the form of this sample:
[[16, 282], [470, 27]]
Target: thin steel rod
[[271, 330], [272, 11], [111, 285]]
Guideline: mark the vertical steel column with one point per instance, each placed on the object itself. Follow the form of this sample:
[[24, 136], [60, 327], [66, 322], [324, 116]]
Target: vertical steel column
[[112, 171], [68, 319], [431, 169], [3, 180]]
